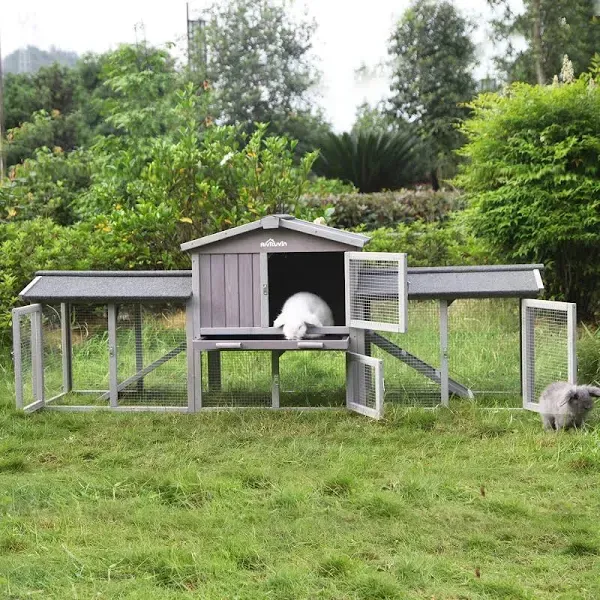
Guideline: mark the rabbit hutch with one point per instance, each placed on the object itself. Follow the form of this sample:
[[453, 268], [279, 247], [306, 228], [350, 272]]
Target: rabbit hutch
[[190, 341]]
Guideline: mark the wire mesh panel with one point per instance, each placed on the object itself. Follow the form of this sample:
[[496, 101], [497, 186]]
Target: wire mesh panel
[[312, 378], [151, 355], [27, 356], [82, 374], [364, 385], [89, 340], [376, 292], [236, 378], [549, 336], [52, 355], [412, 360], [484, 348]]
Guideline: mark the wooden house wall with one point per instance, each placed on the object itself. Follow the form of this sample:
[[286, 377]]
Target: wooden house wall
[[230, 290]]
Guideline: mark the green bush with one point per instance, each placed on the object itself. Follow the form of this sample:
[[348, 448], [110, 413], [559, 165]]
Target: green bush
[[433, 244], [588, 356], [533, 182], [385, 209], [373, 160]]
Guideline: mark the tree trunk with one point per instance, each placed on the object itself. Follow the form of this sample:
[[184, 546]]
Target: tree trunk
[[537, 41], [435, 182]]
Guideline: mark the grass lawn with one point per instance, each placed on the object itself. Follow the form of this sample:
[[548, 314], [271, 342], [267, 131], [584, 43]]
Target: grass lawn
[[459, 503]]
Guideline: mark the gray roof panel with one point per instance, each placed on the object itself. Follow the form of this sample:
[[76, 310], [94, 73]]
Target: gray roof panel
[[508, 281], [94, 286]]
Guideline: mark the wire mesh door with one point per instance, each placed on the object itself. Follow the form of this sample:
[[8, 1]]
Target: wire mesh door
[[376, 291], [364, 385], [548, 347], [28, 357]]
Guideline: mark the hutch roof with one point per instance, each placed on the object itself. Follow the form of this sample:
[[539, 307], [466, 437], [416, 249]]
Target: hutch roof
[[284, 223], [509, 281]]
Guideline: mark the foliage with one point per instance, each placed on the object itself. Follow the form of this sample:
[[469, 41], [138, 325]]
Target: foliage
[[588, 355], [45, 186], [533, 181], [432, 59], [258, 60], [550, 29], [372, 160], [323, 186], [28, 246], [374, 119], [431, 243], [385, 209], [44, 110]]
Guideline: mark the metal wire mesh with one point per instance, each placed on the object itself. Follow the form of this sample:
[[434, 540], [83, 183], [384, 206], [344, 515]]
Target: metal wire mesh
[[484, 348], [412, 359], [89, 340], [374, 288], [52, 351], [236, 378], [547, 348], [151, 355], [364, 386], [312, 378], [23, 354]]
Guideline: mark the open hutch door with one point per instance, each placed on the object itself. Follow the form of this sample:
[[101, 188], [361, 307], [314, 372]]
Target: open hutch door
[[548, 340], [376, 299], [28, 357]]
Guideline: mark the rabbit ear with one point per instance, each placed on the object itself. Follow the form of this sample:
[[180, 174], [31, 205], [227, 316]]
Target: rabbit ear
[[594, 391], [279, 321]]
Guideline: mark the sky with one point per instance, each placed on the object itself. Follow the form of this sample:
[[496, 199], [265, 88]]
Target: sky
[[345, 39]]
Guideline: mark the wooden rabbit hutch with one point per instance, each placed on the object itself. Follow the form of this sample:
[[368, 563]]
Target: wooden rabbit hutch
[[200, 340]]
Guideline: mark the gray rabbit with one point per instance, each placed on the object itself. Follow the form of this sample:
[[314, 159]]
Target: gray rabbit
[[564, 405]]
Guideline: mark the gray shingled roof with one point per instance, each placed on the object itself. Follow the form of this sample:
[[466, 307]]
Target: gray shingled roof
[[95, 286], [511, 281], [284, 222]]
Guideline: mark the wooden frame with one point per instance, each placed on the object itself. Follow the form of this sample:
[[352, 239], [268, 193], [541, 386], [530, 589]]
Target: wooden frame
[[397, 261]]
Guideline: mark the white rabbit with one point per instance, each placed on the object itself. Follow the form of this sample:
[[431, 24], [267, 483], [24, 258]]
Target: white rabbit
[[563, 405], [299, 311]]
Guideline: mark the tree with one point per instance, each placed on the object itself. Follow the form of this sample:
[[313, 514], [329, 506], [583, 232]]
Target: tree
[[551, 29], [533, 181], [259, 65], [432, 57]]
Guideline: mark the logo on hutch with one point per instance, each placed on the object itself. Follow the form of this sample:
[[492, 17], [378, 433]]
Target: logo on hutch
[[271, 243]]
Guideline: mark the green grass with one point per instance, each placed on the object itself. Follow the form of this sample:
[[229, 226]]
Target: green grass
[[258, 504], [450, 504]]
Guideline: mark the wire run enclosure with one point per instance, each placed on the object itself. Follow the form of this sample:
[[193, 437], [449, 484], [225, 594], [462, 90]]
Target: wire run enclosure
[[188, 341], [126, 357]]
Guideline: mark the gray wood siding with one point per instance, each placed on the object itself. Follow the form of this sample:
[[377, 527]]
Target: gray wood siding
[[257, 289], [246, 290], [229, 290]]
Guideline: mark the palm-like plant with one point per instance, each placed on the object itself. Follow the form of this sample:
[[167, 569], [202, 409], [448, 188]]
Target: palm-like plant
[[373, 160]]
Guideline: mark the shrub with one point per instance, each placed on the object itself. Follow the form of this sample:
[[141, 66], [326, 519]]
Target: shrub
[[385, 209], [431, 244], [372, 160], [588, 355], [533, 181]]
